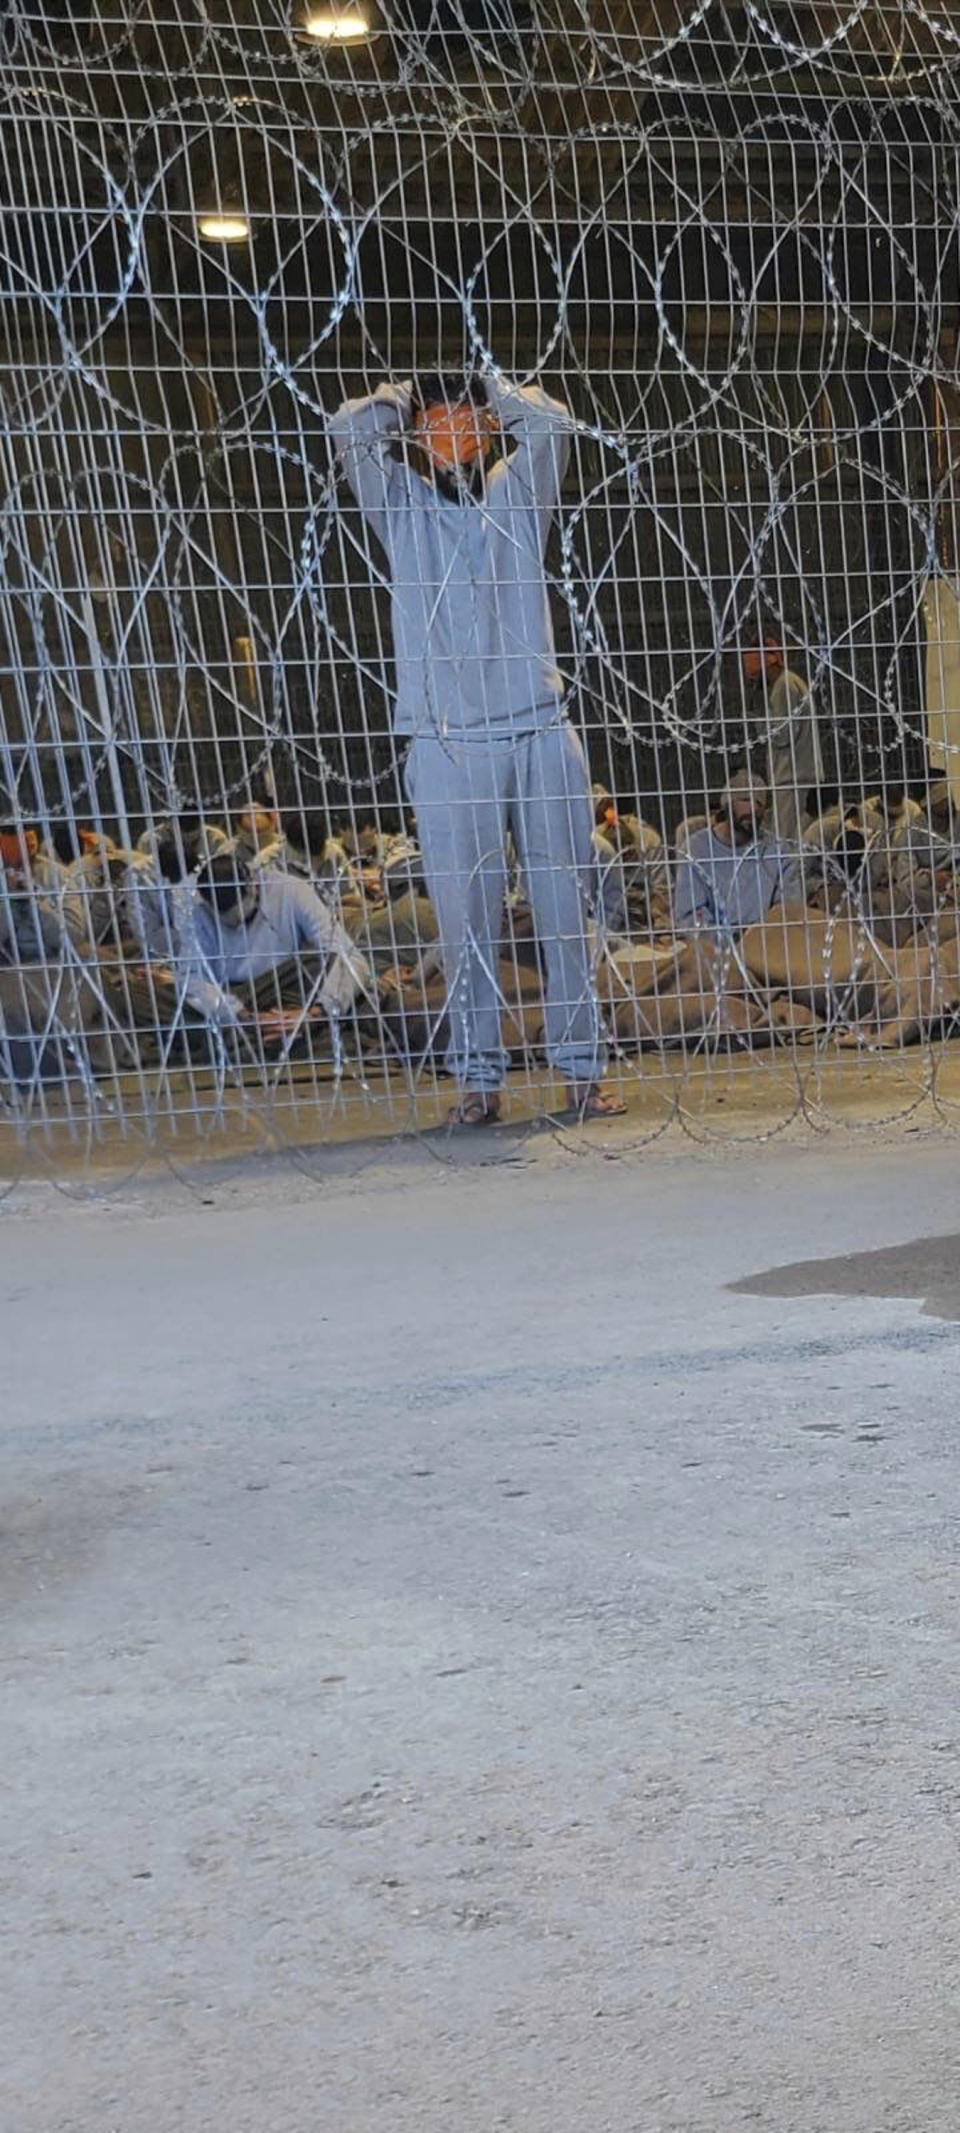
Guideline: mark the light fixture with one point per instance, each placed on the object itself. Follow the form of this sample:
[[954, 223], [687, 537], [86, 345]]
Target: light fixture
[[332, 25], [224, 229]]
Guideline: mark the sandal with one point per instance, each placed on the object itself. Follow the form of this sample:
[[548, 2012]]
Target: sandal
[[593, 1101], [474, 1108]]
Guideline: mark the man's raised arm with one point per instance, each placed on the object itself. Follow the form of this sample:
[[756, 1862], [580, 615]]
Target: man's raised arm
[[542, 431], [361, 433]]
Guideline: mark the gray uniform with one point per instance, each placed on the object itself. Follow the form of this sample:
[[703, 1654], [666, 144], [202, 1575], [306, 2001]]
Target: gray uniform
[[795, 760], [147, 908], [479, 691], [725, 887], [50, 997], [81, 891], [290, 930]]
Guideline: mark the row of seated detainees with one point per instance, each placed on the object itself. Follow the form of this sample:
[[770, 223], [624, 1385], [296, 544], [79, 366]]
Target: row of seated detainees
[[256, 927], [270, 925], [854, 931]]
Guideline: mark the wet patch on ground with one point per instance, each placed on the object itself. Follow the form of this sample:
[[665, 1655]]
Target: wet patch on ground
[[926, 1271]]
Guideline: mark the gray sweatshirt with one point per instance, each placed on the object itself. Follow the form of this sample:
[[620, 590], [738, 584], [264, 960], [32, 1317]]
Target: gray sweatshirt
[[290, 921], [147, 907], [34, 930], [472, 633], [725, 887]]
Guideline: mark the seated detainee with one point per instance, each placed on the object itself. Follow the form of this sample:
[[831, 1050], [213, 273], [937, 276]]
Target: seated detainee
[[142, 985], [39, 1020], [76, 871], [307, 850], [870, 957], [402, 938], [930, 838], [147, 901], [849, 885], [402, 871], [632, 879], [52, 1008], [621, 902], [363, 848], [626, 831], [205, 838], [34, 931], [268, 934], [256, 834], [402, 941], [892, 894], [884, 820], [67, 851], [730, 873], [400, 935]]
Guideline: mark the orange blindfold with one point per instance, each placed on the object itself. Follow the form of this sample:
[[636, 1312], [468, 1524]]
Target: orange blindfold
[[17, 847], [455, 436]]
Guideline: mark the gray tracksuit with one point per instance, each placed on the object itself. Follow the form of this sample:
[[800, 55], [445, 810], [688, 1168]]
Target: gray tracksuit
[[795, 757], [478, 690], [147, 904], [289, 923], [472, 635], [724, 887]]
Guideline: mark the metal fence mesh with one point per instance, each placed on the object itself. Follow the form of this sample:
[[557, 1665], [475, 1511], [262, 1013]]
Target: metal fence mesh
[[723, 241]]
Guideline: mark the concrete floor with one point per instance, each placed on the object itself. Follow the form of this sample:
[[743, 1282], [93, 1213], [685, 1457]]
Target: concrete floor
[[466, 1666]]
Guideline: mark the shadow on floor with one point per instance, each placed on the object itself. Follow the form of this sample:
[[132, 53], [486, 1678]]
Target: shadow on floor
[[929, 1268]]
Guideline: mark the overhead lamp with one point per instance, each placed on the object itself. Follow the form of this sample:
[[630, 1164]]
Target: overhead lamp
[[332, 25], [224, 229]]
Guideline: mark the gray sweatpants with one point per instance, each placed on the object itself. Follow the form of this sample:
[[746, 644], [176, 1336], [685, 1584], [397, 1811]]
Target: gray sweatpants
[[467, 795]]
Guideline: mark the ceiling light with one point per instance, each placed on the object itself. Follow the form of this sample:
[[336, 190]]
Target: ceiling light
[[337, 25], [224, 229]]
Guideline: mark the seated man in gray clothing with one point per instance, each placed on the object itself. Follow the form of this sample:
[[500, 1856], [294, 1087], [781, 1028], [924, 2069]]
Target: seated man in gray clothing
[[147, 895], [731, 873], [51, 1005], [478, 693], [269, 934]]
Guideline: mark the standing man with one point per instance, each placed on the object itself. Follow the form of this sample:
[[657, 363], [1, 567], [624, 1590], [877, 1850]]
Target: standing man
[[478, 693], [794, 758]]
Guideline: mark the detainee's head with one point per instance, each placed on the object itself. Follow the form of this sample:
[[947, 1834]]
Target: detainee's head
[[305, 829], [745, 800], [177, 854], [230, 889], [765, 658], [850, 851], [19, 845], [452, 421], [258, 826], [604, 808], [65, 842]]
